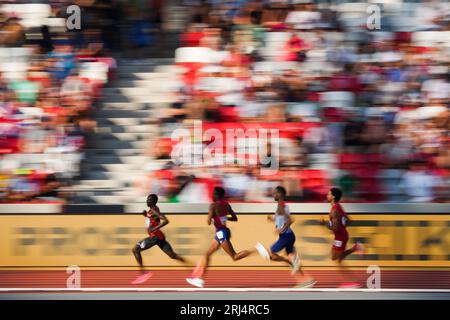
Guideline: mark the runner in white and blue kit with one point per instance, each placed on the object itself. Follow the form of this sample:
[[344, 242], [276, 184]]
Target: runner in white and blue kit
[[286, 237]]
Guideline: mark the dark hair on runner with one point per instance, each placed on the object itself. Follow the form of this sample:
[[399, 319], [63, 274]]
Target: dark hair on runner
[[220, 192], [154, 197], [282, 190], [337, 194]]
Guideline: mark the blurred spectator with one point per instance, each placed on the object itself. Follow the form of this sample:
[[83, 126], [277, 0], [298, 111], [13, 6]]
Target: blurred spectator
[[304, 16], [142, 33], [429, 15], [62, 59], [12, 33], [419, 184]]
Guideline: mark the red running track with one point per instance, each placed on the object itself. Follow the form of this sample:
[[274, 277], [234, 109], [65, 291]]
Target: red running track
[[392, 279]]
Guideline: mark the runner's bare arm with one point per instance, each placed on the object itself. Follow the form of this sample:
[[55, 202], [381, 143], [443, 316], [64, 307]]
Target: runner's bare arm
[[210, 214], [333, 224], [231, 213], [348, 221], [287, 224], [163, 221]]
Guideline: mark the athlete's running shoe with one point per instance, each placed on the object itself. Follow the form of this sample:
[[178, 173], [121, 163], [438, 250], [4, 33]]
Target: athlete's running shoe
[[350, 285], [359, 248], [262, 251], [143, 278], [196, 282], [296, 264], [306, 284]]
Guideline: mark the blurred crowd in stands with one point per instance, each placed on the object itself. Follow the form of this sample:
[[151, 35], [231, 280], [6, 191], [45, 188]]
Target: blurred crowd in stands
[[363, 109], [50, 80], [366, 110]]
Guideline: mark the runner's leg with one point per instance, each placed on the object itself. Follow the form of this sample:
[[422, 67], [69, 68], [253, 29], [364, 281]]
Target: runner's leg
[[228, 247], [279, 245], [142, 245], [165, 246], [203, 264]]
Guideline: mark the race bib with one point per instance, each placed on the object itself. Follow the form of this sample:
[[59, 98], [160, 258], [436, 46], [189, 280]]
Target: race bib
[[337, 243], [219, 235]]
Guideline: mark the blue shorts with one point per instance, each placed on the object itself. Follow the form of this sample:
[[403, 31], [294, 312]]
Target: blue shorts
[[222, 235], [285, 241]]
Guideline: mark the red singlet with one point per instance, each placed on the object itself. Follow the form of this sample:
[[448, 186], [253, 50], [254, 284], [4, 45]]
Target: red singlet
[[153, 221], [220, 220], [341, 235]]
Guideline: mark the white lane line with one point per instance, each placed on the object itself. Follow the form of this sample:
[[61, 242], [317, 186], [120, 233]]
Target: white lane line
[[221, 289]]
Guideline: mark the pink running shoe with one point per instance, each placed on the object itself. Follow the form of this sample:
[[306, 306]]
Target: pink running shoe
[[350, 285], [359, 248], [143, 278]]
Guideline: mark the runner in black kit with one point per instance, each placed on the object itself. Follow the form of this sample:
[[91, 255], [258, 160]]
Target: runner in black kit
[[155, 221]]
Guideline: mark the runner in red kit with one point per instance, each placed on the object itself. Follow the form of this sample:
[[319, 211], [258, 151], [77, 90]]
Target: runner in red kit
[[155, 221], [337, 223]]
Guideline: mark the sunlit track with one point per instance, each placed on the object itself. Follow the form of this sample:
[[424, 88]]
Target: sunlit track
[[233, 279]]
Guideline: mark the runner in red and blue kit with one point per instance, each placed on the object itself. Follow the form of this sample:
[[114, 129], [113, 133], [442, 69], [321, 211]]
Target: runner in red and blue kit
[[219, 213], [219, 220], [338, 221], [155, 220]]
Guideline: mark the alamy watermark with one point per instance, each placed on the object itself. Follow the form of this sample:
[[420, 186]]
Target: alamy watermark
[[374, 280], [74, 280], [213, 147], [73, 21], [373, 21]]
